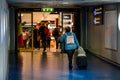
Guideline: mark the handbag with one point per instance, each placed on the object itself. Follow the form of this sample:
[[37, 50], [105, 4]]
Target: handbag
[[80, 51]]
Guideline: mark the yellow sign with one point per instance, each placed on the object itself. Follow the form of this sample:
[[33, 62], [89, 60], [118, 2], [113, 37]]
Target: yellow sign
[[99, 9], [97, 18]]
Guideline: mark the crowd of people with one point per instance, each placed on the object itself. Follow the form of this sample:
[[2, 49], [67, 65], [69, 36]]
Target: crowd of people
[[42, 35]]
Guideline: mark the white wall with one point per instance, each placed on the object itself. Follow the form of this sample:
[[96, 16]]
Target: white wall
[[96, 37], [4, 39]]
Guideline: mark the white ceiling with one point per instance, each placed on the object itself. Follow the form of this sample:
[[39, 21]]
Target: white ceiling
[[58, 3]]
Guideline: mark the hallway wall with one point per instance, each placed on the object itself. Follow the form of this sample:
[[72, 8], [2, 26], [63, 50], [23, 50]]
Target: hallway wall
[[12, 29], [96, 37], [4, 39]]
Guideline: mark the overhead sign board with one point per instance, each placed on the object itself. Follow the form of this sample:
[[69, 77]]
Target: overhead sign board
[[97, 11], [98, 15], [47, 9], [97, 20]]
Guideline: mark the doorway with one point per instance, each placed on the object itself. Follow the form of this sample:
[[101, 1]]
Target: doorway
[[27, 22], [25, 31]]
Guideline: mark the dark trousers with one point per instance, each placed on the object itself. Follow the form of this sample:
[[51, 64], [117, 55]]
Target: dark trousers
[[24, 42], [70, 56], [56, 39], [48, 42], [44, 43], [37, 44]]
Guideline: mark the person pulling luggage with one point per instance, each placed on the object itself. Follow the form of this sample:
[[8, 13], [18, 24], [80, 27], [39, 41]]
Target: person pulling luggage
[[70, 42]]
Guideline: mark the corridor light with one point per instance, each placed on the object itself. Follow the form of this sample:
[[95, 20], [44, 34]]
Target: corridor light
[[65, 2], [119, 21]]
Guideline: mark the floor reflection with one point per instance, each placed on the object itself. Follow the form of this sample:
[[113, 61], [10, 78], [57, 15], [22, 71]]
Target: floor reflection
[[36, 65]]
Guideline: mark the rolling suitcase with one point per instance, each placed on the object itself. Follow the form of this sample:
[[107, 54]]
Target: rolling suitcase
[[81, 58]]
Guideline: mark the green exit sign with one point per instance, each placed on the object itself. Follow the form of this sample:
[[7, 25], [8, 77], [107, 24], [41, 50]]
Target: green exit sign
[[47, 9]]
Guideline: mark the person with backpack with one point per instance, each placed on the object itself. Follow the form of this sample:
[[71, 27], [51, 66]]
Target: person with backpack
[[70, 42], [44, 34], [56, 35]]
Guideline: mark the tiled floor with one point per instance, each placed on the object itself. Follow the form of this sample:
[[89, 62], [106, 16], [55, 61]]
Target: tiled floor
[[54, 66]]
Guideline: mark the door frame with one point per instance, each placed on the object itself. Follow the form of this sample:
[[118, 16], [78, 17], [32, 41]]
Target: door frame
[[19, 14]]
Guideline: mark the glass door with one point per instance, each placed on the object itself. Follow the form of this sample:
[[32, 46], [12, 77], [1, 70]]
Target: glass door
[[25, 31]]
